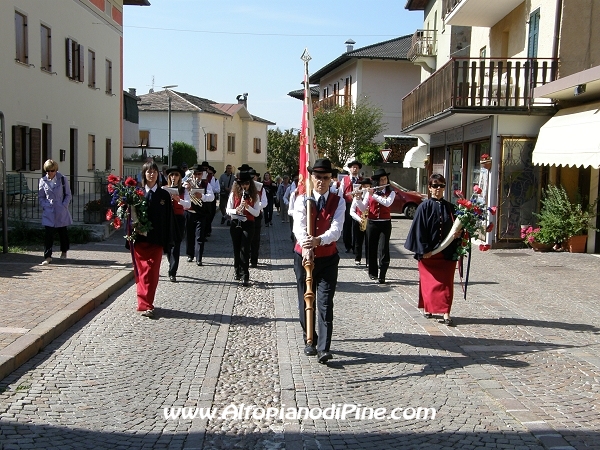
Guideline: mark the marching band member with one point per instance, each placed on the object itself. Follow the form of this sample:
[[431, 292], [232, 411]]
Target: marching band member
[[432, 223], [328, 224], [255, 246], [359, 223], [149, 248], [288, 198], [379, 225], [216, 187], [243, 206], [197, 216], [346, 190], [181, 202]]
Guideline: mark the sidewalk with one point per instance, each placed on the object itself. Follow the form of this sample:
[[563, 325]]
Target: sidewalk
[[39, 303], [520, 369]]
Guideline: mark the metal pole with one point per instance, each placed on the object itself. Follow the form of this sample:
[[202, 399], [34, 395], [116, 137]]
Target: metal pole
[[170, 145], [4, 195]]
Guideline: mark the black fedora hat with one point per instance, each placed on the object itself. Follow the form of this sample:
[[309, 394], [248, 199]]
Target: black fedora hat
[[175, 169], [321, 166], [244, 175], [204, 164], [197, 168], [244, 168], [380, 173], [366, 181], [355, 163]]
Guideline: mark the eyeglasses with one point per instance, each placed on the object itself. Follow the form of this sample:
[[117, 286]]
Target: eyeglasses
[[322, 177], [50, 171], [438, 186]]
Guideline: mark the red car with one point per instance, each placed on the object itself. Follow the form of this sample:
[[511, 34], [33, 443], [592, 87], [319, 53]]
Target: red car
[[406, 201]]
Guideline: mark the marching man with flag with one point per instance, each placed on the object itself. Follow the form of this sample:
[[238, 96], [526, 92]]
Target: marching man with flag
[[326, 222], [318, 222]]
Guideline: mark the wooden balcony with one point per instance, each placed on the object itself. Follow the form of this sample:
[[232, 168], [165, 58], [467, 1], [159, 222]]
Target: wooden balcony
[[332, 101], [488, 85], [424, 44]]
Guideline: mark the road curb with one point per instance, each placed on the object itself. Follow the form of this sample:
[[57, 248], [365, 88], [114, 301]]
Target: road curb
[[30, 344]]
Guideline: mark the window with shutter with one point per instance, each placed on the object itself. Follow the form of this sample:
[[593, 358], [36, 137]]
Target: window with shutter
[[108, 154], [46, 43], [231, 143], [21, 38], [109, 88], [35, 149], [211, 142], [80, 61], [74, 59], [91, 152], [257, 145], [18, 148], [91, 69]]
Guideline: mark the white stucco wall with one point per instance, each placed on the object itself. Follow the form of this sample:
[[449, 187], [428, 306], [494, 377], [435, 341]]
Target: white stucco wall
[[32, 97]]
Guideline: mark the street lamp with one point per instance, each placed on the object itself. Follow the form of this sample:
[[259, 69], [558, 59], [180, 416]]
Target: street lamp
[[170, 145]]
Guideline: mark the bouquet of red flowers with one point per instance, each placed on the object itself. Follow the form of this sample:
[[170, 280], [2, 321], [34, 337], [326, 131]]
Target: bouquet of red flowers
[[472, 215], [131, 206]]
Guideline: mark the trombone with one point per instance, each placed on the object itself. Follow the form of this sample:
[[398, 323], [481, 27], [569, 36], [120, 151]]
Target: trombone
[[193, 184]]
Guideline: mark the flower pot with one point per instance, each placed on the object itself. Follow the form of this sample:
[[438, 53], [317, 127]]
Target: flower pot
[[576, 244], [93, 216], [539, 247]]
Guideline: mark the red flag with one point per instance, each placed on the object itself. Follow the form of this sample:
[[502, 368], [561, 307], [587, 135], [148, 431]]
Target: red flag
[[308, 141]]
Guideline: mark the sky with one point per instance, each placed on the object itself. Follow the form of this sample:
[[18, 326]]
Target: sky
[[220, 49]]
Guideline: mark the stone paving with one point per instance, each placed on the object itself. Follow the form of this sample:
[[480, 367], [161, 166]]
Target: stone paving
[[521, 370]]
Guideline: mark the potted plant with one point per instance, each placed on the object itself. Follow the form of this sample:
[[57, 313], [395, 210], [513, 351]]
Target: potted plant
[[538, 239], [563, 221], [93, 212]]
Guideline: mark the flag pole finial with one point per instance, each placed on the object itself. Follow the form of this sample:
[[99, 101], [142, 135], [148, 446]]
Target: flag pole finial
[[305, 56]]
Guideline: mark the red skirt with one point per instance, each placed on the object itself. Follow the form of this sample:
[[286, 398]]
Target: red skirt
[[436, 284]]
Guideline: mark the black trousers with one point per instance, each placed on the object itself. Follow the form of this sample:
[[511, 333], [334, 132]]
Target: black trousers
[[212, 208], [63, 235], [325, 274], [174, 252], [255, 245], [241, 237], [269, 211], [223, 204], [358, 237], [378, 238], [347, 229], [195, 234]]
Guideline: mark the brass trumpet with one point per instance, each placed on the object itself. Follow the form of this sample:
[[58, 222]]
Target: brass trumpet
[[193, 184]]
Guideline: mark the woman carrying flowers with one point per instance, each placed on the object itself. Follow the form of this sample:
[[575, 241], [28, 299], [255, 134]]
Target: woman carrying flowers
[[149, 220], [432, 223]]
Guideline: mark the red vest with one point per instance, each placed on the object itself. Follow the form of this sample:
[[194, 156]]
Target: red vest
[[348, 188], [236, 203], [177, 208], [321, 225], [377, 210]]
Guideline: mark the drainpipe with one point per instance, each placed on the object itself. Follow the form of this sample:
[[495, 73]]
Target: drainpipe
[[4, 196], [557, 20]]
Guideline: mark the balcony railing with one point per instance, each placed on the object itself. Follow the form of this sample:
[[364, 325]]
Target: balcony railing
[[332, 101], [484, 84], [424, 43], [448, 6]]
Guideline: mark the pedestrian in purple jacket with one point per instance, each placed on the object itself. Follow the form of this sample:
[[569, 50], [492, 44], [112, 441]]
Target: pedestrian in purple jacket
[[55, 195]]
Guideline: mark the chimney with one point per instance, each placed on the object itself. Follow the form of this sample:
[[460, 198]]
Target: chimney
[[132, 92], [243, 99], [349, 45]]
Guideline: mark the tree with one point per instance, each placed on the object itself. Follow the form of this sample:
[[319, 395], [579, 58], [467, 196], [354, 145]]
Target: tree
[[284, 150], [345, 133], [184, 152]]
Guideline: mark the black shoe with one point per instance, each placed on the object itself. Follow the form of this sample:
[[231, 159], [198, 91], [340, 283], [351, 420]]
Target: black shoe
[[348, 250], [382, 281], [254, 265], [323, 357], [198, 263], [372, 277], [237, 276], [173, 279], [310, 350], [190, 258], [449, 322], [222, 220], [427, 315], [246, 280]]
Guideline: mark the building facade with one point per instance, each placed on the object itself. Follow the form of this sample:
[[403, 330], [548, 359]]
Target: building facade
[[61, 74], [221, 133], [481, 64]]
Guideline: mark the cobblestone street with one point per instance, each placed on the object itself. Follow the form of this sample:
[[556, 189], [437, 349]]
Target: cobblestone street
[[521, 370]]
